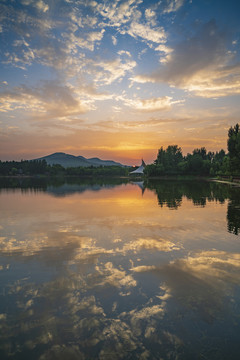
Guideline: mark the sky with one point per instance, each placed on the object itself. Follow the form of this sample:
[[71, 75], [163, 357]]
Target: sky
[[117, 79]]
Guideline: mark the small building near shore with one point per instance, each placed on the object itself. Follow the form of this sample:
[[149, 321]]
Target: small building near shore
[[139, 171]]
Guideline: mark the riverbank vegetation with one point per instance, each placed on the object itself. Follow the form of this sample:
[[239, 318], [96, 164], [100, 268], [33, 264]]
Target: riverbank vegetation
[[40, 167], [201, 163]]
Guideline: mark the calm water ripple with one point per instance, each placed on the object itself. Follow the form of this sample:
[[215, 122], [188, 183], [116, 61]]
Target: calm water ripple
[[117, 270]]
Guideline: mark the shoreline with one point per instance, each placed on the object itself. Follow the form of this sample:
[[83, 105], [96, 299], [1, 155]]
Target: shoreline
[[236, 184], [130, 178]]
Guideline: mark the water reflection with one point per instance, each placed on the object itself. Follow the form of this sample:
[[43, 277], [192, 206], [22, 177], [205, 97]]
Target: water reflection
[[170, 193], [101, 271], [59, 186], [233, 213]]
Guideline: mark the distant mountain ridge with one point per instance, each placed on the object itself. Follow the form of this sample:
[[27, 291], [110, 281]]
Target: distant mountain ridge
[[67, 160]]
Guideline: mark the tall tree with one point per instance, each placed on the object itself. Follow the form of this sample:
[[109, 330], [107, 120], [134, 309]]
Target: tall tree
[[234, 149], [169, 159]]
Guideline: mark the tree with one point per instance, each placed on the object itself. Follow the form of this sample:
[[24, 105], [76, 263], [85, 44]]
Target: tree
[[14, 171], [169, 159], [234, 149], [201, 152]]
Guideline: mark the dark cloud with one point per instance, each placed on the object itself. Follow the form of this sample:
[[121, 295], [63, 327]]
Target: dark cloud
[[206, 49]]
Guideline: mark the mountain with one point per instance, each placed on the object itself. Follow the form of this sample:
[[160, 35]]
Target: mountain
[[67, 160], [99, 162]]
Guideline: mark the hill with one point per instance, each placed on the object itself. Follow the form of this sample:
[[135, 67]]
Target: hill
[[67, 160]]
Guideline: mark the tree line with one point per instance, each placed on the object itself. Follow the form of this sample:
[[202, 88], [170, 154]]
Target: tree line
[[40, 167], [172, 162]]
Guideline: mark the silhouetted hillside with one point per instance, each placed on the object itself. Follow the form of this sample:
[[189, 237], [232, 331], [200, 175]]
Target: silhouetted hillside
[[67, 160]]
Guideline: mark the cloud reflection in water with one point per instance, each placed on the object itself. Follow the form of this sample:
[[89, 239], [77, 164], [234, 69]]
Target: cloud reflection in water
[[110, 274]]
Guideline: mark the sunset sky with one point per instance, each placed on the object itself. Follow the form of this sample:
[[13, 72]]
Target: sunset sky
[[117, 79]]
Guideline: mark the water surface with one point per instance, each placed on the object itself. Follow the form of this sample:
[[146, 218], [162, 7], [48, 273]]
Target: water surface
[[112, 270]]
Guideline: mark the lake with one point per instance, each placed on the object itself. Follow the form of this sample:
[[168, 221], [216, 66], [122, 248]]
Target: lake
[[119, 270]]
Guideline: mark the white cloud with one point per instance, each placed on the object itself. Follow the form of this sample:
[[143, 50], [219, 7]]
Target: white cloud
[[118, 13], [20, 43], [144, 268], [115, 277], [114, 40], [152, 104], [147, 312], [163, 48], [124, 52], [150, 244], [110, 70], [224, 81], [85, 41], [145, 32], [40, 5], [95, 36], [90, 91], [172, 5], [150, 16], [165, 51]]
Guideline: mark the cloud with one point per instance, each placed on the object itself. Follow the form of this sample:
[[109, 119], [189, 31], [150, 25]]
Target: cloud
[[42, 243], [143, 321], [30, 31], [224, 81], [23, 58], [124, 52], [118, 13], [22, 22], [201, 280], [86, 40], [89, 91], [126, 17], [108, 71], [48, 101], [165, 53], [120, 340], [141, 125], [150, 244], [215, 264], [201, 52], [39, 4], [114, 277], [147, 312], [47, 40], [145, 32], [200, 64], [171, 5], [150, 15], [152, 104], [144, 268], [114, 40]]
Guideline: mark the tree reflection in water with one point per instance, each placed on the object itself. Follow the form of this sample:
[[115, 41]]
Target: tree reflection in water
[[170, 194], [100, 270], [233, 212]]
